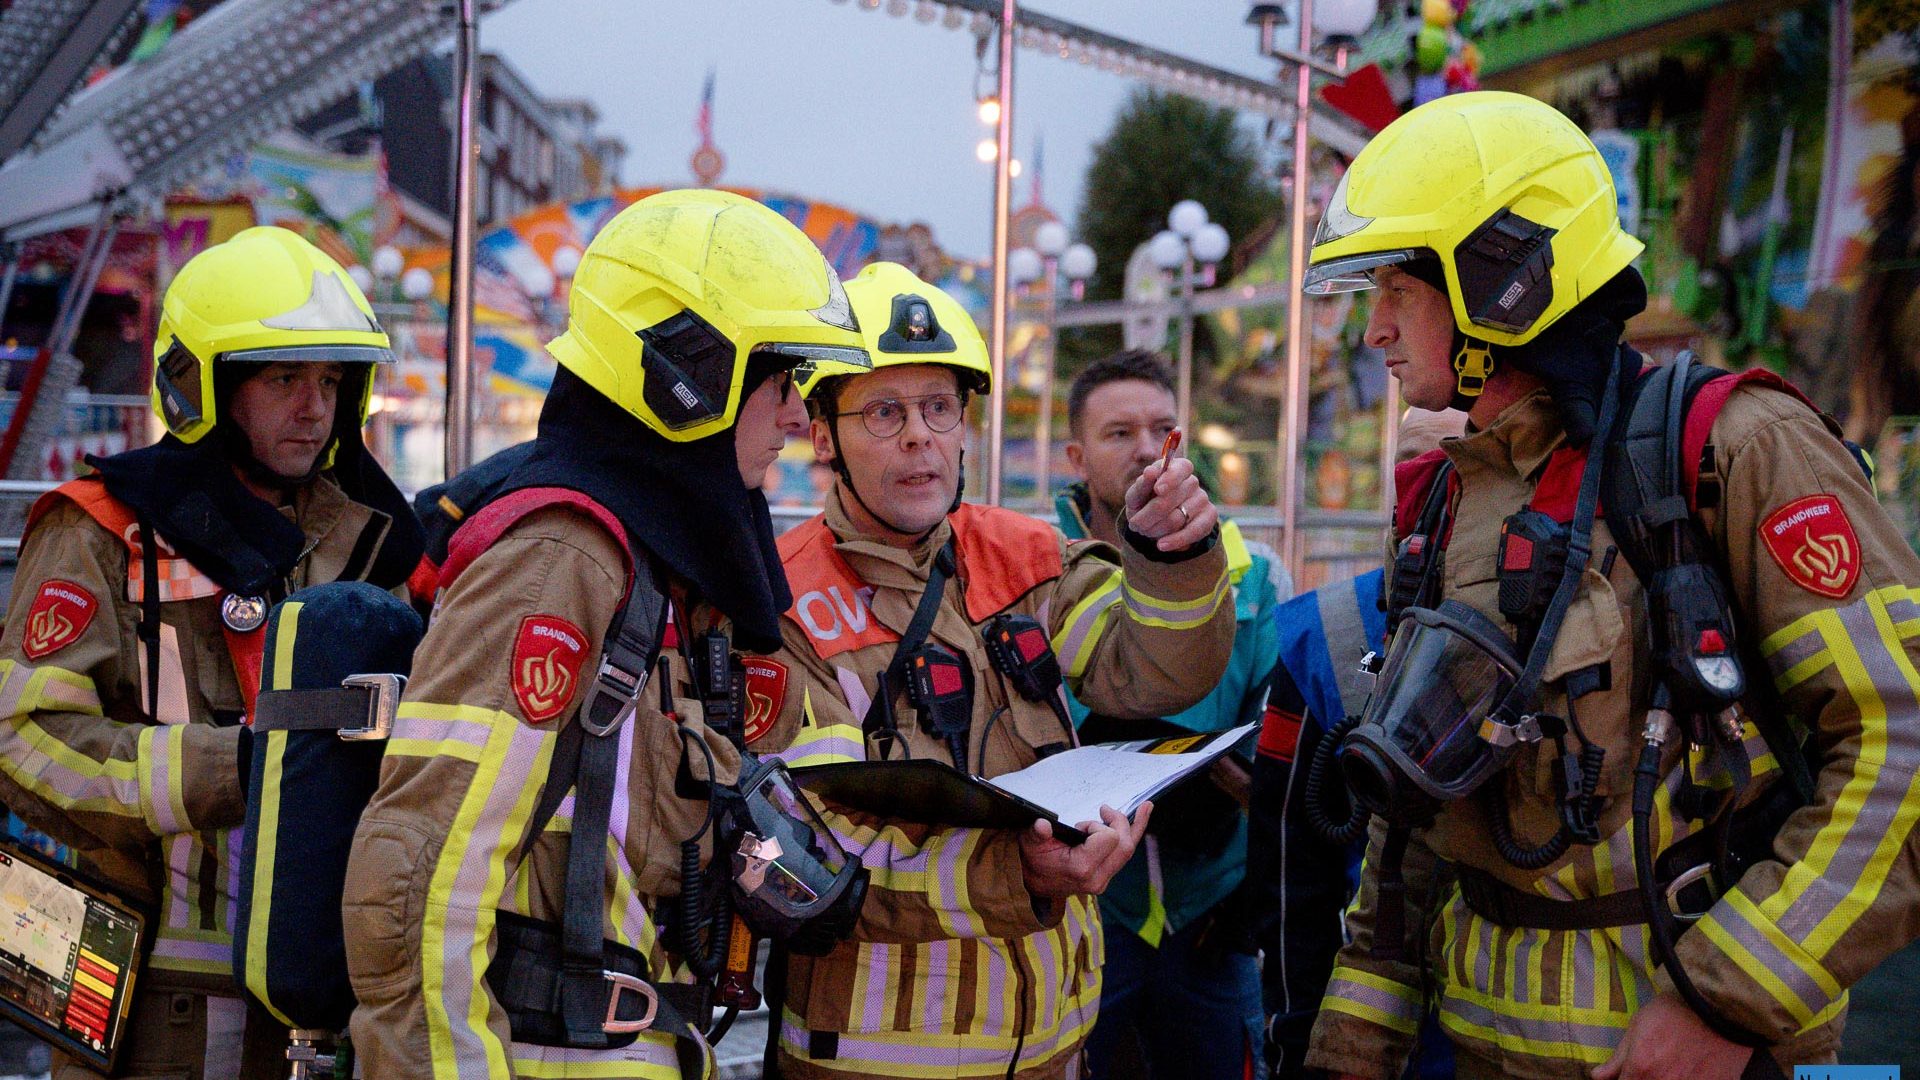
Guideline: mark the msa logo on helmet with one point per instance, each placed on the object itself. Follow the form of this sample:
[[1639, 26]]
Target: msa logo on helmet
[[689, 370], [1505, 268]]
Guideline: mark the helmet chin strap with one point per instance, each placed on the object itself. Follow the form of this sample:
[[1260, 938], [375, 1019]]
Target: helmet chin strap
[[1473, 365], [846, 479]]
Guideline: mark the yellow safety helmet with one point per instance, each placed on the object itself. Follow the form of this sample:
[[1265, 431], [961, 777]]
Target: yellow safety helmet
[[907, 321], [681, 288], [1508, 194], [265, 296]]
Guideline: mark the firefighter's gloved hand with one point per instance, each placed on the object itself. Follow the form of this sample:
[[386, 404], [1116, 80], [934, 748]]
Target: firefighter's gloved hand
[[1055, 870]]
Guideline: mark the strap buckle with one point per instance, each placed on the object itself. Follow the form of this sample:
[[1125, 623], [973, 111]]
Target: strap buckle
[[622, 982], [383, 703], [616, 682], [1524, 730], [1687, 877]]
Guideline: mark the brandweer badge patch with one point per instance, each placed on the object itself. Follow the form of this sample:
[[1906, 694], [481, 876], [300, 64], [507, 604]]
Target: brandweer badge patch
[[60, 614], [766, 692], [547, 656], [1814, 543]]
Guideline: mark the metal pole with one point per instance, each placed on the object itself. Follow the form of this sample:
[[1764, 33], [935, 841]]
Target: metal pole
[[459, 412], [86, 274], [1293, 434], [1183, 403], [1002, 208], [1043, 424], [10, 252]]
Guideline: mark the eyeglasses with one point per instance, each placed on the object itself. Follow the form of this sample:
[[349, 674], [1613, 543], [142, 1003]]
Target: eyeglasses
[[887, 417]]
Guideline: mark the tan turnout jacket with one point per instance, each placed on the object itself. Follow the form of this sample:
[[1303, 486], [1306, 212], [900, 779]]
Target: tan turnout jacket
[[955, 970], [1827, 588]]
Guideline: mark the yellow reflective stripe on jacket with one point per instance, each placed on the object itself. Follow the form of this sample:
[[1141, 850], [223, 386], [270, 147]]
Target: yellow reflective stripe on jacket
[[1176, 614], [1375, 999], [1080, 631], [470, 876], [918, 1026], [1155, 923], [1780, 941], [934, 868], [188, 938], [25, 689], [821, 745]]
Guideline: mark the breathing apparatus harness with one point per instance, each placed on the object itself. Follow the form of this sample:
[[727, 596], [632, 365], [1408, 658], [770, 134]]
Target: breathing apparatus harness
[[568, 985], [1699, 680]]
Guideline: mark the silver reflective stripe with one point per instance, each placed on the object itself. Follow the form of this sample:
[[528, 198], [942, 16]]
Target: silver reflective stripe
[[1346, 634]]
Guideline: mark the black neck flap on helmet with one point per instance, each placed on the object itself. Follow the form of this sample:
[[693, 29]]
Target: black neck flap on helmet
[[683, 502]]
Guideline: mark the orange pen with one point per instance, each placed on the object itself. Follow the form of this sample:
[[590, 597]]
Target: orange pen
[[1167, 448]]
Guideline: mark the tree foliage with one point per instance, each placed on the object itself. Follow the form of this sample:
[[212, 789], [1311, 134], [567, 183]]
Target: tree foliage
[[1164, 148]]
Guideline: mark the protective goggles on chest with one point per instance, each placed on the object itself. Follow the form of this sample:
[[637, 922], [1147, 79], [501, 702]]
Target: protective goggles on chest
[[1437, 724], [789, 871]]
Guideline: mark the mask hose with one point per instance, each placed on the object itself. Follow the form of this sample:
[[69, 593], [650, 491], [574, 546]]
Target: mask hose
[[1343, 821]]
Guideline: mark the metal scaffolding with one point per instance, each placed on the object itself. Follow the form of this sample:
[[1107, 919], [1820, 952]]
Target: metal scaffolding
[[243, 71]]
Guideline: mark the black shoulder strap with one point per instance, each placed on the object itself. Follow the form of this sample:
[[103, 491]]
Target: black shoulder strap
[[149, 629], [631, 646], [1646, 508], [880, 710], [1643, 492]]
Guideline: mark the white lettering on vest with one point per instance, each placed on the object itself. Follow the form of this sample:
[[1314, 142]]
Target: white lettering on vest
[[841, 616]]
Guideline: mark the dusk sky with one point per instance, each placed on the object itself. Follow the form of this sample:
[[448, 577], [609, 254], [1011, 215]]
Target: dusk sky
[[825, 99]]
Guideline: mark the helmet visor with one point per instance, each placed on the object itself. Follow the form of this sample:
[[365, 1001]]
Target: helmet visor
[[309, 354], [819, 360], [1353, 273], [1445, 673]]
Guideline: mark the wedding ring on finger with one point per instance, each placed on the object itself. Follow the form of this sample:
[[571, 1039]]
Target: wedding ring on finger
[[1186, 519]]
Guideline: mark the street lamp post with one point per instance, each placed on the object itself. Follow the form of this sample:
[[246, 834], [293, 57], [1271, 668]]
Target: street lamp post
[[1002, 226], [1345, 18], [1188, 244], [1052, 257], [459, 414]]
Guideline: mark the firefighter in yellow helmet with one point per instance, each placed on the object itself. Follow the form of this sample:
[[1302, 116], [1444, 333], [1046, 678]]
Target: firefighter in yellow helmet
[[582, 643], [1650, 682], [134, 633], [991, 936]]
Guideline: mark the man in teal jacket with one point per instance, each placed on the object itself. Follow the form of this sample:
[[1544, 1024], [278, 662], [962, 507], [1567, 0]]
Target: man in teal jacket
[[1180, 970]]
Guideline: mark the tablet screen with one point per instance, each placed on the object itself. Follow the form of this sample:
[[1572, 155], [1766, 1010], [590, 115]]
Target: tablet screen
[[68, 954]]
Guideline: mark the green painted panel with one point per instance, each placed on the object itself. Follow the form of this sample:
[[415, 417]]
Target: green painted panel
[[1513, 33]]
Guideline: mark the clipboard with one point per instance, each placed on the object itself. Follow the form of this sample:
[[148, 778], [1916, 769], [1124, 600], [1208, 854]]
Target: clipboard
[[927, 791], [69, 954]]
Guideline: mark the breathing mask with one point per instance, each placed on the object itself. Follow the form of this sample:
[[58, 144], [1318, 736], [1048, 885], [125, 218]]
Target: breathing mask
[[793, 882], [1438, 724]]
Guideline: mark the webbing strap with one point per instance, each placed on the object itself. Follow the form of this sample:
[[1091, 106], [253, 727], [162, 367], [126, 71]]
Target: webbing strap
[[880, 710], [150, 616], [1579, 550], [583, 989], [327, 709]]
